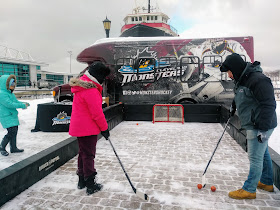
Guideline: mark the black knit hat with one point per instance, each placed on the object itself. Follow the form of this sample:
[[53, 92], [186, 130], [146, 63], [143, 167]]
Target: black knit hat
[[99, 71], [235, 64]]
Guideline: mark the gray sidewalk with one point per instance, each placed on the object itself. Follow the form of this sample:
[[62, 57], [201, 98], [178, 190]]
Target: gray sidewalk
[[164, 160]]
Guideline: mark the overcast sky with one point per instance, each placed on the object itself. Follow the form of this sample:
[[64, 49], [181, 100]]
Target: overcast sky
[[47, 29]]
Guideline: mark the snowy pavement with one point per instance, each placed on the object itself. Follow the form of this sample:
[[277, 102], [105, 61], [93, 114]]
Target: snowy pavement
[[32, 143], [164, 160]]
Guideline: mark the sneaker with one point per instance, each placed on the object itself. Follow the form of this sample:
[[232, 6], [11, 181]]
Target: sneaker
[[241, 194], [268, 188]]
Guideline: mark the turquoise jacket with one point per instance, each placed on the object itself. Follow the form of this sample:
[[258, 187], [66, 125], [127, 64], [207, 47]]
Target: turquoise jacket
[[8, 103]]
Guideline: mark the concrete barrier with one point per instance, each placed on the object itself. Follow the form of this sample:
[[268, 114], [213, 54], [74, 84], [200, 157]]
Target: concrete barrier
[[20, 176]]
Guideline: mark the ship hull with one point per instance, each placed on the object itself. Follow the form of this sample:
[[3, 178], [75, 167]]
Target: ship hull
[[140, 30]]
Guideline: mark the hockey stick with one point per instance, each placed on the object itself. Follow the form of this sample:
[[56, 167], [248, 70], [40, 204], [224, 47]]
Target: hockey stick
[[203, 176], [138, 193]]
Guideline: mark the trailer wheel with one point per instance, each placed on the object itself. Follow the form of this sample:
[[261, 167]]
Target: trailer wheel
[[187, 101]]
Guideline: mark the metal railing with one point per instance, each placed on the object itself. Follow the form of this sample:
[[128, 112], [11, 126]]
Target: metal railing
[[33, 93]]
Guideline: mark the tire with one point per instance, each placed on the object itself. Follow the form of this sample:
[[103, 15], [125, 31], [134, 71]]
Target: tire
[[187, 101]]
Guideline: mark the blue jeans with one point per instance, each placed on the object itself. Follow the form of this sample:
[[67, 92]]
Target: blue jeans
[[260, 162]]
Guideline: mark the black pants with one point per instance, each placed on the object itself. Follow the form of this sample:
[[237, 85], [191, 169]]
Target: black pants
[[11, 137], [87, 149]]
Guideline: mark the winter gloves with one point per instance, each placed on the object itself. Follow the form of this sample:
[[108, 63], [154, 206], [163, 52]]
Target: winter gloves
[[232, 109], [26, 105], [106, 134], [262, 137]]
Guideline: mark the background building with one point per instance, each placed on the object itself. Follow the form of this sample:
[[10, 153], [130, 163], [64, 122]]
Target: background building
[[27, 70]]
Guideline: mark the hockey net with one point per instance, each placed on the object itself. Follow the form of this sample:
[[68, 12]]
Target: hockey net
[[168, 113]]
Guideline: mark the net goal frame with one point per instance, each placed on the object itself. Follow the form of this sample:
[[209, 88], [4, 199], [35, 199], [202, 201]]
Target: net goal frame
[[167, 110]]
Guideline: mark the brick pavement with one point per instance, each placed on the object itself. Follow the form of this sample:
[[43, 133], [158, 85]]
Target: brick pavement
[[165, 161]]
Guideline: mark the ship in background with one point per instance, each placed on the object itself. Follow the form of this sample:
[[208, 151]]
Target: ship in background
[[147, 22]]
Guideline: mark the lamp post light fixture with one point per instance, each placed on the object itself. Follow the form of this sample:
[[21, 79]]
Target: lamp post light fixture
[[107, 26], [70, 53]]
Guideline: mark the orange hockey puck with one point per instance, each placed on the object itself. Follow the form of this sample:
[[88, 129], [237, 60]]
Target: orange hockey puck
[[213, 188]]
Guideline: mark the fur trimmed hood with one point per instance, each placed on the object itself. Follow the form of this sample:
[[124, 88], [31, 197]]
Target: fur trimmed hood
[[5, 80], [84, 83], [81, 83]]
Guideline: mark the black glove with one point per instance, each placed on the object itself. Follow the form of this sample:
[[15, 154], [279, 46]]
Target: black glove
[[262, 137], [106, 134], [232, 109]]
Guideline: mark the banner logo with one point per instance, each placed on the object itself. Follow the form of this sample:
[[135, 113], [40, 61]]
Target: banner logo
[[61, 119]]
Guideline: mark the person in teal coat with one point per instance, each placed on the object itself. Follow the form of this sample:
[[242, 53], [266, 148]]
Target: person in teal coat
[[9, 114]]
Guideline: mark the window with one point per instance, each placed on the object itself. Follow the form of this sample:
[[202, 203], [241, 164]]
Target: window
[[155, 17], [140, 18], [21, 71], [136, 18], [152, 17], [132, 18], [38, 67], [39, 76], [57, 78], [148, 17]]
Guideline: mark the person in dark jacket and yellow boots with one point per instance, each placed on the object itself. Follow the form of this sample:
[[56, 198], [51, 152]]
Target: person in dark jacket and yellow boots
[[9, 114], [255, 103]]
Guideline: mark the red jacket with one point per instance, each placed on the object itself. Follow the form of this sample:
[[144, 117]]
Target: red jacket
[[87, 116]]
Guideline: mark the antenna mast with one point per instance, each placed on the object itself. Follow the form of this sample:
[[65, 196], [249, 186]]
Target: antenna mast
[[149, 7]]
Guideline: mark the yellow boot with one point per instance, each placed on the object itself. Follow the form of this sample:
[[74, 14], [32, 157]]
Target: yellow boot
[[268, 188], [241, 194]]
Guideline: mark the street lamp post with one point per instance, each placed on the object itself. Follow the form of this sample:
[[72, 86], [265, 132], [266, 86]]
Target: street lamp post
[[107, 26], [70, 53]]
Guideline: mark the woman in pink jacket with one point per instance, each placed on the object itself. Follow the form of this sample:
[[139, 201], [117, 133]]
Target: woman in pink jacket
[[87, 121]]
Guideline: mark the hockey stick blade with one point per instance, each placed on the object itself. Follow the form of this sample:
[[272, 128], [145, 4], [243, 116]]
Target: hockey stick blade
[[203, 182], [138, 193], [142, 195]]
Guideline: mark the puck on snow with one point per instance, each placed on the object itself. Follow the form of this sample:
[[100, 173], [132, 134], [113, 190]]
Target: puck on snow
[[199, 186], [213, 188]]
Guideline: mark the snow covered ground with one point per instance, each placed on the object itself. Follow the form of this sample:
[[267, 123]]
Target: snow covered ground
[[163, 160], [33, 143]]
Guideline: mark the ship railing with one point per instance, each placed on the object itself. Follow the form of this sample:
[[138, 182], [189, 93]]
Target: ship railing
[[173, 29]]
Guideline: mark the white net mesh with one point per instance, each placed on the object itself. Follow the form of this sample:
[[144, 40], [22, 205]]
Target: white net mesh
[[168, 113]]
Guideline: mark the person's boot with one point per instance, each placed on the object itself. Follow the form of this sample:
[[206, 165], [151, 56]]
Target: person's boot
[[3, 151], [14, 148], [241, 194], [91, 184], [3, 145], [268, 188], [81, 183]]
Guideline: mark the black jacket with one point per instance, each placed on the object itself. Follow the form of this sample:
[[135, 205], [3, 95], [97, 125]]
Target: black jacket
[[254, 98]]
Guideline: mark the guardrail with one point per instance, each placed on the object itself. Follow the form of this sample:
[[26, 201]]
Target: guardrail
[[32, 93]]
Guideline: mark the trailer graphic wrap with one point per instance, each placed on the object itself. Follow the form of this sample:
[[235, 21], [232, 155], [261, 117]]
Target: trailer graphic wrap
[[162, 70]]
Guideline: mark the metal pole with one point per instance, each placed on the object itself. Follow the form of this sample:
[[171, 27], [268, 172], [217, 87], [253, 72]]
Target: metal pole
[[70, 53], [107, 33]]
